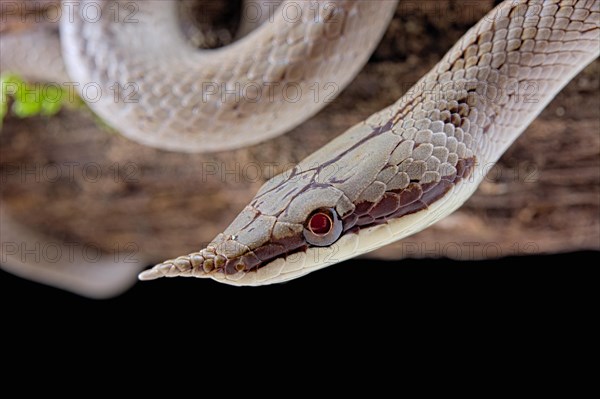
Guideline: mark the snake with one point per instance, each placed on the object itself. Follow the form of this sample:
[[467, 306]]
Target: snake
[[386, 178]]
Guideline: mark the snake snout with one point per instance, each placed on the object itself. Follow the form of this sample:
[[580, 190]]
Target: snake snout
[[197, 264]]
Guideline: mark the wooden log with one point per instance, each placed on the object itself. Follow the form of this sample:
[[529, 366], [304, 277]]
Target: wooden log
[[68, 177]]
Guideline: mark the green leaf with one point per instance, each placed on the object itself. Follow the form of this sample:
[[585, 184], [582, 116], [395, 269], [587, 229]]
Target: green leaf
[[52, 100], [3, 110], [26, 109], [32, 99]]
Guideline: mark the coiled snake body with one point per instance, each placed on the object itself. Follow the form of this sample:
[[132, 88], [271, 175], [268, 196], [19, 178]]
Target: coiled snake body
[[388, 177]]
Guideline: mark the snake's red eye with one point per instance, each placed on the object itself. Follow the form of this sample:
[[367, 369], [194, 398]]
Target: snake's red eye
[[320, 224], [323, 227]]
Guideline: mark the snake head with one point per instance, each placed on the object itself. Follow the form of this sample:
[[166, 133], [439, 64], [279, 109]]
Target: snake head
[[370, 186], [275, 238], [296, 221]]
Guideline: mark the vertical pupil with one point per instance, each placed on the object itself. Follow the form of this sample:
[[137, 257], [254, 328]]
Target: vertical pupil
[[320, 224]]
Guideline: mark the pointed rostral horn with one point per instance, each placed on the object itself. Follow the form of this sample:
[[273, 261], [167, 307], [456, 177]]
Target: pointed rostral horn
[[197, 264]]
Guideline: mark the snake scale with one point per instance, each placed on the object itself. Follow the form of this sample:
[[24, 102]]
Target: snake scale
[[386, 178]]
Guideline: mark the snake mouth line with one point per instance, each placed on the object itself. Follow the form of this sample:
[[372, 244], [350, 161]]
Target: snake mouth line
[[210, 263]]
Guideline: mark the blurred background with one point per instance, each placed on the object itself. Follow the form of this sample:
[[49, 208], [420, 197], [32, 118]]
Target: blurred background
[[117, 196]]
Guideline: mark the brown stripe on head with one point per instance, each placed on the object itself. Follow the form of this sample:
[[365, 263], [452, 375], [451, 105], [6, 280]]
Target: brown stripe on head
[[411, 199]]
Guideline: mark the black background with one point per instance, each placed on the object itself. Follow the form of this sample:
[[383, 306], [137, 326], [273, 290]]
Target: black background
[[412, 310], [356, 283]]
